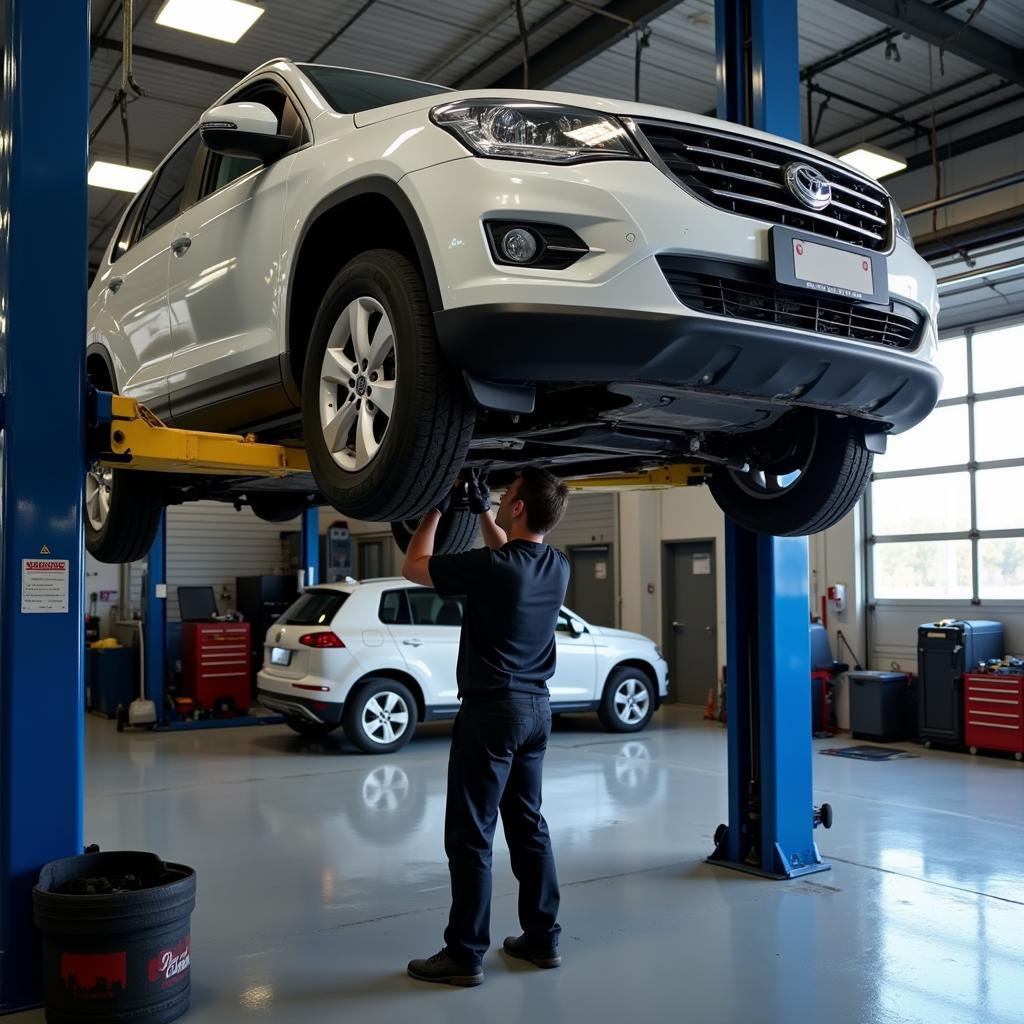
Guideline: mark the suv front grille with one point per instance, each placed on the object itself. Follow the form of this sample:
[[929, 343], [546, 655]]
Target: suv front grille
[[748, 293], [747, 176]]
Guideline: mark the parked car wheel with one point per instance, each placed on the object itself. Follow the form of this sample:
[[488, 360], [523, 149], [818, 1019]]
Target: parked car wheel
[[456, 532], [304, 727], [121, 510], [627, 703], [387, 422], [277, 508], [380, 717], [808, 488]]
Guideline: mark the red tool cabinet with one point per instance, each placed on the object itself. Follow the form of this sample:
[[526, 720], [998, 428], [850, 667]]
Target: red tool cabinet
[[994, 713], [215, 662]]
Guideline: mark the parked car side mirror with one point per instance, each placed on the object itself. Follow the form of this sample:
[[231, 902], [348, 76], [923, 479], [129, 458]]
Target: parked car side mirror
[[243, 129], [576, 628]]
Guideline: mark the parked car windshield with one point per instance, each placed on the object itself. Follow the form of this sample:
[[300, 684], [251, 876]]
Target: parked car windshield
[[350, 91], [314, 608]]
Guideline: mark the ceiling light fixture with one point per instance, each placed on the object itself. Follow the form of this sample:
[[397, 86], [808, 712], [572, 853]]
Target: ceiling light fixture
[[873, 161], [224, 20], [117, 176]]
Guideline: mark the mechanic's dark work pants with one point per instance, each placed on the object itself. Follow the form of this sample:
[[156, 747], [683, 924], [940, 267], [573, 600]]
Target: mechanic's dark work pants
[[496, 763]]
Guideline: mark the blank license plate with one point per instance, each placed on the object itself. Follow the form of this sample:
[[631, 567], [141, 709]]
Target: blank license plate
[[280, 656], [835, 269]]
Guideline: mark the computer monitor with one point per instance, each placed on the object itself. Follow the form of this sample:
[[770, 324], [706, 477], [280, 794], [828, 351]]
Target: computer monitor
[[196, 604]]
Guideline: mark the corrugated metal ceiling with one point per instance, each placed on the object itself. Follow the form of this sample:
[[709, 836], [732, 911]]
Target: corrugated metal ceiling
[[476, 41]]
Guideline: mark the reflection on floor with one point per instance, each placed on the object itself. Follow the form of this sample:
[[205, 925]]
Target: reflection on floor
[[321, 873]]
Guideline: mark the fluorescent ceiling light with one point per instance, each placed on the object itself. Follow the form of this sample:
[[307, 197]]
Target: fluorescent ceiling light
[[224, 20], [874, 162], [118, 176]]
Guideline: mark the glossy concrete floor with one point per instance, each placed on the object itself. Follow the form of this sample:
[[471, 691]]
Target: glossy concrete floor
[[321, 872]]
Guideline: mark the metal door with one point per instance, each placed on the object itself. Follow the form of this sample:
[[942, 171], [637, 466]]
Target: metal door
[[592, 584], [691, 602]]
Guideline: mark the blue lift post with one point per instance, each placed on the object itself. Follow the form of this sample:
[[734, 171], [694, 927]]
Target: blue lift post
[[310, 547], [771, 813], [43, 241]]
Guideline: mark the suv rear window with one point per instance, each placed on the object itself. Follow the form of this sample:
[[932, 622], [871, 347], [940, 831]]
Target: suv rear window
[[350, 91], [314, 608]]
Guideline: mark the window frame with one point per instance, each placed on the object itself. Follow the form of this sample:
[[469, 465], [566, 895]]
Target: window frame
[[972, 467]]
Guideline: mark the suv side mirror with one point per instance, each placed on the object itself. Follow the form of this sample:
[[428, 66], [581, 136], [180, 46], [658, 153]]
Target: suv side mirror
[[243, 129], [576, 628]]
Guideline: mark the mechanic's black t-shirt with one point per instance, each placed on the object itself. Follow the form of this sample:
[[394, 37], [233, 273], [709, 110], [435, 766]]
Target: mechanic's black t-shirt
[[513, 596]]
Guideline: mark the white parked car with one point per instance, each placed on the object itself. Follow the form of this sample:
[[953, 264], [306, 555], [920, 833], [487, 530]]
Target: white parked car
[[409, 280], [378, 657]]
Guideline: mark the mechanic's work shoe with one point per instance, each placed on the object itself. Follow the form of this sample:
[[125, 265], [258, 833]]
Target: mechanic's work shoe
[[517, 946], [441, 968]]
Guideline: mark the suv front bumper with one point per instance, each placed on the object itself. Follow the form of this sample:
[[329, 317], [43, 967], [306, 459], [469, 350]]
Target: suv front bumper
[[513, 343]]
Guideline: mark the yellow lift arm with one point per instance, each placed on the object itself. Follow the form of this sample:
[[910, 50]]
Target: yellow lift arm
[[140, 440]]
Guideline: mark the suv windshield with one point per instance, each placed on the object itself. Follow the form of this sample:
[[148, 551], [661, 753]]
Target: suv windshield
[[314, 608], [350, 91]]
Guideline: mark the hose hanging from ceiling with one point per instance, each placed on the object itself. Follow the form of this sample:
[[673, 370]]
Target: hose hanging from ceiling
[[524, 38], [643, 40], [128, 82]]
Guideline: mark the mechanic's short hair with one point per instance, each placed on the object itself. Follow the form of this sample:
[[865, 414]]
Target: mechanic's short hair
[[545, 497]]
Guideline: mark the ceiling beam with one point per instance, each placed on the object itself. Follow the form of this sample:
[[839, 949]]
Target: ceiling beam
[[164, 57], [940, 29], [966, 144], [591, 37]]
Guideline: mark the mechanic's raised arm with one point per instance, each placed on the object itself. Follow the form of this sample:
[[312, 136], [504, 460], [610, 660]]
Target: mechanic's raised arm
[[494, 536], [416, 567]]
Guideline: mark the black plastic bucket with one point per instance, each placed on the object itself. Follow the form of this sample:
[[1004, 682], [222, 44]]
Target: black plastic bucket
[[116, 956]]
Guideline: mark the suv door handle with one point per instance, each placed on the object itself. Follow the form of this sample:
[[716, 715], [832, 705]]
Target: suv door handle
[[180, 246], [678, 625], [114, 285], [413, 643]]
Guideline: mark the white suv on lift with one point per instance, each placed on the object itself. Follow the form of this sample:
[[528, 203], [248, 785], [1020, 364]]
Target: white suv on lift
[[379, 656], [409, 280]]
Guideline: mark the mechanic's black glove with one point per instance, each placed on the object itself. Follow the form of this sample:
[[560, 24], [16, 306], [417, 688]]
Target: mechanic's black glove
[[478, 494], [457, 498]]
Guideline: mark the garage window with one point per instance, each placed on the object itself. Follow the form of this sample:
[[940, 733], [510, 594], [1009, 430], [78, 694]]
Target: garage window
[[946, 503]]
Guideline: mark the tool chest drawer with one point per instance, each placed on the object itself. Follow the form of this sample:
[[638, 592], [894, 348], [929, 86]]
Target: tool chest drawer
[[216, 662], [994, 712]]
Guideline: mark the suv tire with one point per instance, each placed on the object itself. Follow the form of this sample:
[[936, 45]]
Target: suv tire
[[277, 508], [121, 513], [627, 703], [810, 491], [387, 460], [362, 717], [456, 532]]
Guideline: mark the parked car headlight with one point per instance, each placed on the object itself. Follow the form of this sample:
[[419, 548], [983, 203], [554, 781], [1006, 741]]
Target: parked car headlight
[[657, 650], [902, 229], [545, 132]]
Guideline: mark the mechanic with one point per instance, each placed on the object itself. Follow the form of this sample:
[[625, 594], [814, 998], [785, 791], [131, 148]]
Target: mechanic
[[513, 590]]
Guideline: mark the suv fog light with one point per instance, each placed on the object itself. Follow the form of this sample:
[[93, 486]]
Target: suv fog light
[[518, 245]]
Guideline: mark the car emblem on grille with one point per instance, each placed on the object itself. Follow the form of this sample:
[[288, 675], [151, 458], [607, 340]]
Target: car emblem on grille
[[809, 185]]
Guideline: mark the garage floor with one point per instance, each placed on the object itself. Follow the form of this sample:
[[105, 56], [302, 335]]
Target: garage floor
[[321, 873]]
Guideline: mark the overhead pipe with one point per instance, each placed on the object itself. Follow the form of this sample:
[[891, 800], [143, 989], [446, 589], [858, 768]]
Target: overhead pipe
[[968, 193]]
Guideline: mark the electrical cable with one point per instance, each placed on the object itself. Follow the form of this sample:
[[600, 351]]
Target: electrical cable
[[945, 42], [853, 654], [643, 40], [524, 38]]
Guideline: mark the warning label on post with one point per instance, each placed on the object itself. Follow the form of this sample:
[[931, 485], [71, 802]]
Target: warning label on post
[[44, 585]]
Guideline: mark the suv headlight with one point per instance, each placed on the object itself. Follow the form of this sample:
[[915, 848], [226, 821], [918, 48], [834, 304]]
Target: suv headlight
[[902, 230], [527, 130]]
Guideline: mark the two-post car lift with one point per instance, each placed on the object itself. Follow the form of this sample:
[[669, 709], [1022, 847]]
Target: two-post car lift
[[44, 128]]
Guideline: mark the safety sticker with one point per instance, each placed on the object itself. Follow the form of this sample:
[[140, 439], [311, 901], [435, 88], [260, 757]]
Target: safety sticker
[[45, 584]]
